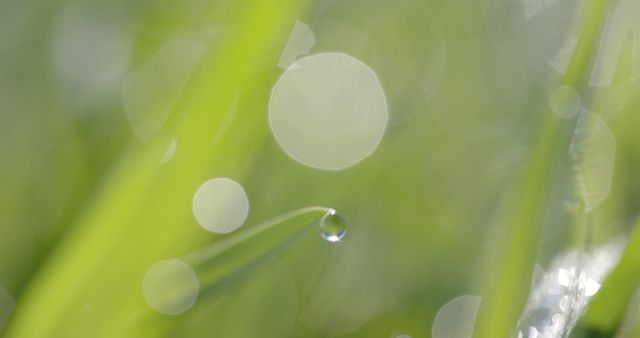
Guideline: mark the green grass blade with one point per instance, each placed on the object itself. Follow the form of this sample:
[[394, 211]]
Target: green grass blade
[[143, 211], [223, 259], [507, 278], [607, 309]]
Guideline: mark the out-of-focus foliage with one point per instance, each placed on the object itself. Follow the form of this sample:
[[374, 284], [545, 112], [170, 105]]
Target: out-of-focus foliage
[[113, 113]]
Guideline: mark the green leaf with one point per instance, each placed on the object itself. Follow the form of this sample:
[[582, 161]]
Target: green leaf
[[142, 213], [508, 274], [607, 309]]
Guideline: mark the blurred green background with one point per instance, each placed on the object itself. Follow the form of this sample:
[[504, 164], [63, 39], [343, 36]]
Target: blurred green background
[[471, 186]]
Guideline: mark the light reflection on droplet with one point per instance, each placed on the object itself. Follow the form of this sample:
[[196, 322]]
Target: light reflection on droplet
[[170, 287], [332, 226], [150, 92], [592, 153], [6, 307], [220, 205], [328, 111], [565, 277], [168, 154], [90, 53], [457, 318], [591, 287], [565, 102], [300, 42], [494, 85]]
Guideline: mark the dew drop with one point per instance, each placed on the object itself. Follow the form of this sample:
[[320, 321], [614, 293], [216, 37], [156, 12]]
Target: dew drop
[[332, 226]]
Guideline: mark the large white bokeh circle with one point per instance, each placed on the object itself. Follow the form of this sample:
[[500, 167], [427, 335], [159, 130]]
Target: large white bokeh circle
[[220, 205], [328, 111]]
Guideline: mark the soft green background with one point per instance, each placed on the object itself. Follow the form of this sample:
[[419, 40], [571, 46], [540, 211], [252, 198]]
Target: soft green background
[[85, 207]]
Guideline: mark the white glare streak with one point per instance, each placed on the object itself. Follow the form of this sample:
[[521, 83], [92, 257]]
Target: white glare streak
[[562, 294]]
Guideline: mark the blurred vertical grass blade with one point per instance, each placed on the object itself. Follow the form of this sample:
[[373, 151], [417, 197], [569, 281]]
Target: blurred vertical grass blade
[[102, 261], [606, 311], [508, 276]]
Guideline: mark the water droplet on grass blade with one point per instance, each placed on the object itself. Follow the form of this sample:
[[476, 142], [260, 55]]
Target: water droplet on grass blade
[[332, 226]]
